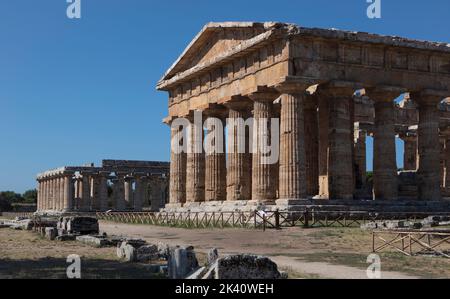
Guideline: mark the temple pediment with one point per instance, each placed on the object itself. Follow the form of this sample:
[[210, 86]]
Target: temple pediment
[[213, 41]]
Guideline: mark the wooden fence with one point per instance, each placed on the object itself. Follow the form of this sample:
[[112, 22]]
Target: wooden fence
[[413, 243], [259, 219]]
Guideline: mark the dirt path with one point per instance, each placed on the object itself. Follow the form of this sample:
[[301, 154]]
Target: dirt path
[[282, 246]]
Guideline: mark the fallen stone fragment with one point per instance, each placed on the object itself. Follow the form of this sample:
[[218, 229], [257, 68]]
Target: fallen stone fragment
[[243, 267], [182, 261], [65, 238], [51, 233], [96, 241], [213, 255]]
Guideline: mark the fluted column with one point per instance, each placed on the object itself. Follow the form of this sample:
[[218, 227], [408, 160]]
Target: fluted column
[[215, 160], [292, 170], [442, 159], [61, 194], [139, 192], [195, 169], [120, 193], [85, 193], [39, 195], [52, 194], [128, 188], [323, 114], [68, 193], [103, 192], [239, 161], [428, 144], [264, 174], [340, 139], [47, 194], [447, 164], [360, 158], [385, 181], [410, 154], [177, 170], [311, 138]]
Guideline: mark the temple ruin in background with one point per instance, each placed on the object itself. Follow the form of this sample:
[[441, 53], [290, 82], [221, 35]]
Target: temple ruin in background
[[116, 185], [330, 89]]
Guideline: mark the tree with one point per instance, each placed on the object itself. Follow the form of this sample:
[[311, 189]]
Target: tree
[[11, 196], [30, 196]]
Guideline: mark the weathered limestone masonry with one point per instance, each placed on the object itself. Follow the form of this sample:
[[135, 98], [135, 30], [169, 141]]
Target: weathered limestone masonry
[[330, 89], [134, 185]]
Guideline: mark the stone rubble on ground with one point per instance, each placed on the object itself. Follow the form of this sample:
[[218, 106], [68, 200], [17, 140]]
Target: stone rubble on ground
[[431, 221], [238, 267]]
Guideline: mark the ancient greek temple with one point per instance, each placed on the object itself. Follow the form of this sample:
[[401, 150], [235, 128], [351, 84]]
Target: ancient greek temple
[[116, 185], [330, 90]]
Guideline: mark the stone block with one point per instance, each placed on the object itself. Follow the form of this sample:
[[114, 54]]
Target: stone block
[[213, 255], [51, 233], [95, 241], [65, 238], [245, 267], [182, 261]]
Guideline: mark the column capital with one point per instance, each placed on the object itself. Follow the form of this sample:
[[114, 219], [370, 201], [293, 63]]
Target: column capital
[[214, 110], [384, 93], [338, 88], [237, 103], [263, 94], [293, 87], [429, 97]]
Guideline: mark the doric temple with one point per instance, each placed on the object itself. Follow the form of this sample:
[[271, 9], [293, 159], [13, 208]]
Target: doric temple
[[329, 89], [116, 185]]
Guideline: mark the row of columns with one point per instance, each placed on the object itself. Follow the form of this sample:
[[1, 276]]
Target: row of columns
[[89, 192], [55, 193], [309, 165]]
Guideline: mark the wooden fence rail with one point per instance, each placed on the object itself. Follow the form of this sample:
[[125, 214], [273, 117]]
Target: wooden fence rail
[[413, 243], [259, 219]]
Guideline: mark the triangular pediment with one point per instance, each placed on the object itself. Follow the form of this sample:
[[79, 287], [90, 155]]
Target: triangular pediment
[[214, 40]]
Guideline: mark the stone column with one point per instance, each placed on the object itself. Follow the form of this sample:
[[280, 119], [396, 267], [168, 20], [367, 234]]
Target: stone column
[[120, 193], [85, 194], [447, 164], [195, 169], [340, 139], [324, 114], [311, 137], [68, 193], [77, 194], [428, 144], [292, 171], [385, 181], [39, 196], [360, 158], [442, 159], [48, 194], [139, 193], [410, 154], [264, 175], [239, 161], [177, 170], [128, 188], [52, 194], [103, 192], [215, 160], [61, 194]]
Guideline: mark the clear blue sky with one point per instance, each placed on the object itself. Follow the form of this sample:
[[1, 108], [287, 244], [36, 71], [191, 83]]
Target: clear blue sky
[[78, 91]]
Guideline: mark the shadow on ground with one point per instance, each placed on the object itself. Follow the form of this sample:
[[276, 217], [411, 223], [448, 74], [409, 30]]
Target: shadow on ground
[[55, 268]]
